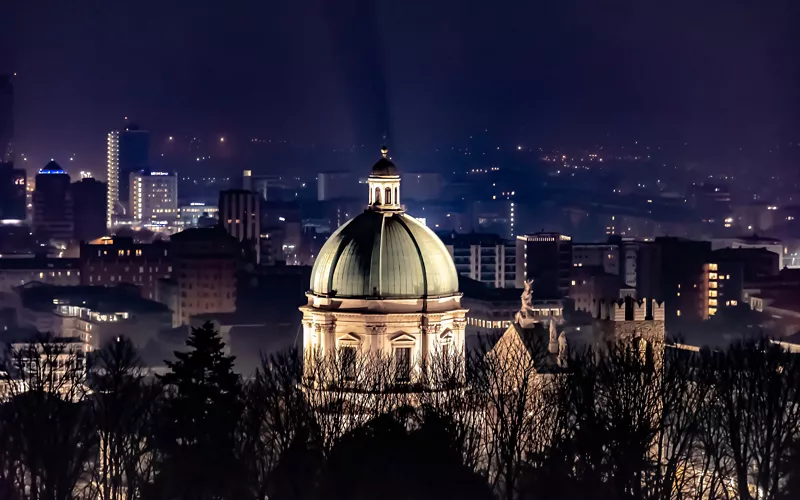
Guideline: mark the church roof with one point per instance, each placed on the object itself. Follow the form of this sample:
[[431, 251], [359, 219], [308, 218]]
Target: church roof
[[384, 167], [386, 255]]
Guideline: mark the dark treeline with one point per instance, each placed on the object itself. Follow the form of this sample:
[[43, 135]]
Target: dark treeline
[[620, 423]]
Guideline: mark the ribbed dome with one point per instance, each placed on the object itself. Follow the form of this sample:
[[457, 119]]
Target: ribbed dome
[[384, 167], [387, 255]]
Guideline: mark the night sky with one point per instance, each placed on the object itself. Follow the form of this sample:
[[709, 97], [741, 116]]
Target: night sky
[[427, 73]]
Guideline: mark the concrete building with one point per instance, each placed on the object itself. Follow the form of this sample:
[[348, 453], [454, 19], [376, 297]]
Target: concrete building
[[204, 279], [127, 152], [12, 192], [239, 214], [15, 272], [483, 257], [110, 261], [93, 314], [676, 271], [617, 257], [154, 197], [89, 209], [191, 215], [53, 205], [384, 284], [545, 258], [754, 241]]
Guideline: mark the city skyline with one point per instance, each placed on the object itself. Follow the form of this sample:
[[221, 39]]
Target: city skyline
[[575, 74]]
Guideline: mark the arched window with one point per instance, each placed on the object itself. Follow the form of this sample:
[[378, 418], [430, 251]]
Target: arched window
[[377, 195], [388, 196], [396, 198]]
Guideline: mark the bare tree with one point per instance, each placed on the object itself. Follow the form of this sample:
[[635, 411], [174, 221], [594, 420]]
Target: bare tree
[[755, 408], [47, 426], [123, 404]]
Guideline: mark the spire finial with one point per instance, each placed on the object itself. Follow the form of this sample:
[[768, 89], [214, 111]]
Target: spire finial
[[384, 150]]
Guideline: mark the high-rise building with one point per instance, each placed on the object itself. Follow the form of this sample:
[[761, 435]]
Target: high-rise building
[[487, 258], [153, 196], [239, 215], [52, 204], [196, 213], [678, 272], [6, 119], [127, 153], [545, 258], [89, 209], [12, 192]]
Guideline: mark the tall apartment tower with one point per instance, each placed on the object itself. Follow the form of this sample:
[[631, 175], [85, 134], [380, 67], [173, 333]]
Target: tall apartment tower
[[52, 204], [128, 151], [545, 258], [153, 196], [239, 215], [89, 208], [487, 258]]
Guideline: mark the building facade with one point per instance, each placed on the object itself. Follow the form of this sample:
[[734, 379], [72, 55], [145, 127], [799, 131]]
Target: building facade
[[127, 152], [110, 261], [384, 285], [154, 197], [16, 272], [205, 265], [53, 205], [545, 258], [89, 209], [487, 258], [240, 215]]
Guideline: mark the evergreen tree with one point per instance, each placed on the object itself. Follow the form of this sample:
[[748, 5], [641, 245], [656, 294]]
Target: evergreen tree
[[198, 435]]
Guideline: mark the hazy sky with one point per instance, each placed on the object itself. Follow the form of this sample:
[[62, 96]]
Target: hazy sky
[[427, 73]]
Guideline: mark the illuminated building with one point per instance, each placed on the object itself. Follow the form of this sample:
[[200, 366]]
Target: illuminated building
[[127, 152], [204, 279], [154, 197], [109, 261], [483, 257], [545, 258], [384, 284], [93, 314], [239, 214], [52, 271], [52, 205], [192, 214]]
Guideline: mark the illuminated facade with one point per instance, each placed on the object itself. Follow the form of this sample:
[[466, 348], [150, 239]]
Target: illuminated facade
[[127, 152], [154, 197], [384, 284], [112, 160]]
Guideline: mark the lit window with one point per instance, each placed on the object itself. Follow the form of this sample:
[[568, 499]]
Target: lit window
[[679, 312]]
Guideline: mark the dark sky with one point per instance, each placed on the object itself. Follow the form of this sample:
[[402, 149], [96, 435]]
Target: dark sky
[[427, 72]]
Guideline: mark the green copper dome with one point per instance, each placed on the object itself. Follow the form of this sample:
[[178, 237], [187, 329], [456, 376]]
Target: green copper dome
[[384, 254]]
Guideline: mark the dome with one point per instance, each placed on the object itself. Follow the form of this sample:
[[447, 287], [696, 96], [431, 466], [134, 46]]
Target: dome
[[386, 255], [384, 167]]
